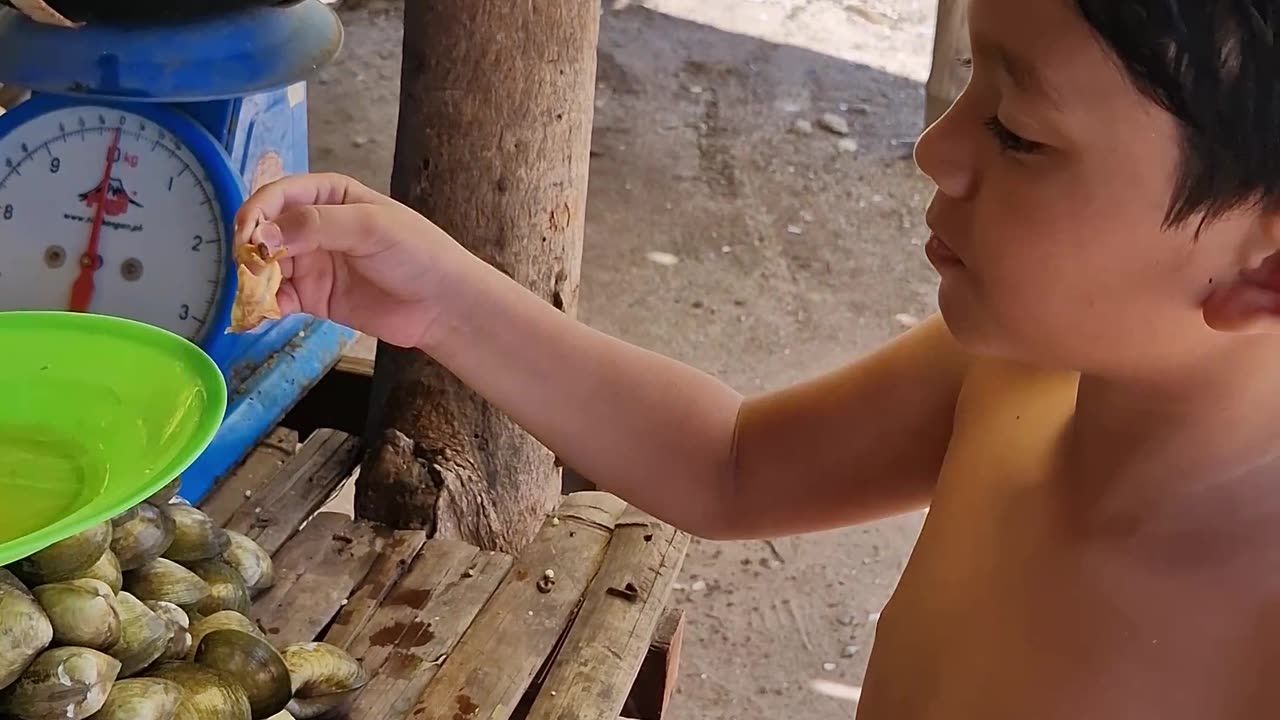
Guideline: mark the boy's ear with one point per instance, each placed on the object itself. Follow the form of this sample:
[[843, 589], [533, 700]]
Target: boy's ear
[[1249, 302]]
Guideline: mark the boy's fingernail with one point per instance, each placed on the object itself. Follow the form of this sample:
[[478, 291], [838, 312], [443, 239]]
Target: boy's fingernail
[[269, 235]]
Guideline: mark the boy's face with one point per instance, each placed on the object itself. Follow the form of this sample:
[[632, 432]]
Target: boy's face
[[1054, 176]]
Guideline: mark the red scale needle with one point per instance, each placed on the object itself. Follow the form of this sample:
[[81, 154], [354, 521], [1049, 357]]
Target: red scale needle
[[82, 290]]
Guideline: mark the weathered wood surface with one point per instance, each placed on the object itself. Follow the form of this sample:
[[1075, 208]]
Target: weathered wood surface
[[446, 630], [494, 146], [391, 565], [418, 628], [602, 653], [298, 490], [258, 468], [655, 684], [948, 76], [358, 358], [509, 641], [316, 573]]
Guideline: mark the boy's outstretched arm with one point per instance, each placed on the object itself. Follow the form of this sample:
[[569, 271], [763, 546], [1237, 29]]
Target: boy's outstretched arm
[[860, 443]]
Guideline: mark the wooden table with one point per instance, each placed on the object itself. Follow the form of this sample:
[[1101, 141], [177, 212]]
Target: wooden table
[[575, 627]]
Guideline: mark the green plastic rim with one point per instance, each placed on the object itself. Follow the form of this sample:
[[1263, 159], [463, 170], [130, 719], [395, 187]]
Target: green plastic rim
[[97, 414]]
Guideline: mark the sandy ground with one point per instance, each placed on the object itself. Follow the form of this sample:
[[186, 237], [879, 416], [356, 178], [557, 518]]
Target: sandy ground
[[722, 234]]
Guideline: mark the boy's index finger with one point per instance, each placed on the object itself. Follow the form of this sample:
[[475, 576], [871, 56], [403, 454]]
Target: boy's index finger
[[279, 197]]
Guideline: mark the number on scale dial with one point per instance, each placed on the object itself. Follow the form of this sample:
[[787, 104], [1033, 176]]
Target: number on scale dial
[[104, 211]]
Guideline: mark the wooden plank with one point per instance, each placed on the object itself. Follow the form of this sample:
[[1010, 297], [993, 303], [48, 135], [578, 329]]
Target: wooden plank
[[440, 564], [948, 77], [391, 565], [300, 488], [420, 624], [315, 574], [510, 639], [596, 668], [655, 684], [359, 357], [262, 464]]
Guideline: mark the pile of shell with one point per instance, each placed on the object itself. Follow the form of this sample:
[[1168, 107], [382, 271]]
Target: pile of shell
[[145, 617]]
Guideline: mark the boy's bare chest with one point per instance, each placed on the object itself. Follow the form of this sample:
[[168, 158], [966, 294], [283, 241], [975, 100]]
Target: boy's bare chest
[[1004, 614], [1012, 629]]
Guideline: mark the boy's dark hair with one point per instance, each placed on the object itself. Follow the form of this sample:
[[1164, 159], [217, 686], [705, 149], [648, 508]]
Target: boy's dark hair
[[1215, 66]]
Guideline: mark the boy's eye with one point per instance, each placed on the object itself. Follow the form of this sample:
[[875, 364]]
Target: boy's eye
[[1008, 139]]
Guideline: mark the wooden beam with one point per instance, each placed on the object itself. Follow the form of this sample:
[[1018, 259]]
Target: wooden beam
[[417, 628], [493, 146], [298, 490], [315, 574], [601, 657], [510, 640], [392, 563], [655, 684], [948, 76], [262, 464], [358, 357]]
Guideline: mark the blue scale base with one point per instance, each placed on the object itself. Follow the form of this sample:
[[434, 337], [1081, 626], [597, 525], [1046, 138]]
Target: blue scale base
[[239, 76]]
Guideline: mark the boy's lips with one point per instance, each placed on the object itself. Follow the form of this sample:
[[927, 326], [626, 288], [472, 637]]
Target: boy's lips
[[940, 254]]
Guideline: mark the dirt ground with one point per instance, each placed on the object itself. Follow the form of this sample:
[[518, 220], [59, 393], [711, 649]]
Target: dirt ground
[[729, 227]]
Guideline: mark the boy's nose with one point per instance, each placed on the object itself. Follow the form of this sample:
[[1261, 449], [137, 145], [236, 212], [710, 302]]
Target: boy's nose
[[946, 154]]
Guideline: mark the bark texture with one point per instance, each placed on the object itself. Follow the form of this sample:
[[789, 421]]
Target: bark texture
[[493, 145], [951, 43]]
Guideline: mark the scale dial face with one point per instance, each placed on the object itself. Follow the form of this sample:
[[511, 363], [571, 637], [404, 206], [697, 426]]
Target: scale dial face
[[105, 210]]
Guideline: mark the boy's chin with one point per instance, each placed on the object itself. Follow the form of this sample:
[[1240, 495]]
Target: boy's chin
[[963, 316], [981, 334]]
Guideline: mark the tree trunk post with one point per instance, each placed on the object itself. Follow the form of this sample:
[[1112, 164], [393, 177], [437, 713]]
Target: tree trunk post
[[951, 43], [494, 140]]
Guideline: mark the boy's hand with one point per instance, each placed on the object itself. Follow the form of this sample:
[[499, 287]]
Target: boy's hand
[[354, 256]]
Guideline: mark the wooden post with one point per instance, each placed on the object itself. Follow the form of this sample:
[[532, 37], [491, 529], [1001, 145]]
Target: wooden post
[[948, 77], [494, 141]]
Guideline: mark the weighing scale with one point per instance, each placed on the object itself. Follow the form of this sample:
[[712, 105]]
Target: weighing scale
[[121, 176]]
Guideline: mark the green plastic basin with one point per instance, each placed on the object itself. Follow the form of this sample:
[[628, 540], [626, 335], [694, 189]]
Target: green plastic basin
[[97, 414]]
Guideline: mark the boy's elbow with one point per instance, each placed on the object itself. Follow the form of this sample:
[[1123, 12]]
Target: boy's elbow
[[721, 517]]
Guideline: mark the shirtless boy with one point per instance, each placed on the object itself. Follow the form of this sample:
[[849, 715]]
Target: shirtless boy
[[1092, 418]]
